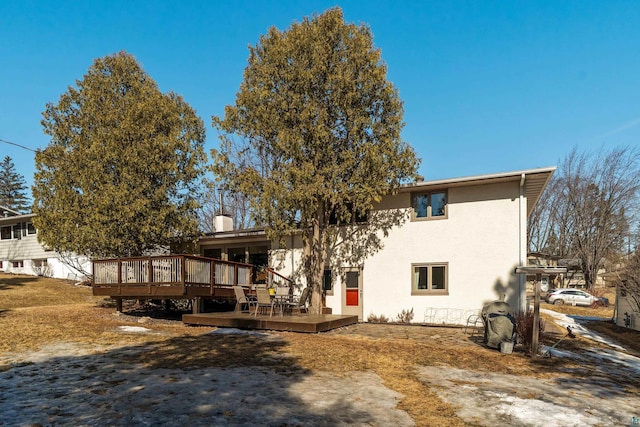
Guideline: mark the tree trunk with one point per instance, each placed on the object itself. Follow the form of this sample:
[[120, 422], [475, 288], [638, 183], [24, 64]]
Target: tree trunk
[[315, 257]]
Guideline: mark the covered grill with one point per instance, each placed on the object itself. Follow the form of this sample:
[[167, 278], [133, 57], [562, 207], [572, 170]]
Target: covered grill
[[499, 323]]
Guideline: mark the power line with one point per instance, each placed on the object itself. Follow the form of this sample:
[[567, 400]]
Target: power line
[[18, 145]]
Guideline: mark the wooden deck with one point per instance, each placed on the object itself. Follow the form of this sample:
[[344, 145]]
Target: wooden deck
[[169, 277], [290, 322]]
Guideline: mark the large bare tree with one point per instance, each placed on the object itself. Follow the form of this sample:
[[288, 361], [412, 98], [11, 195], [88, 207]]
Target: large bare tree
[[589, 209], [630, 280]]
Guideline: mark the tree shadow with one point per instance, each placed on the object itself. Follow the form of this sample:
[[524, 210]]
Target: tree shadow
[[510, 291], [8, 281], [200, 380], [350, 245]]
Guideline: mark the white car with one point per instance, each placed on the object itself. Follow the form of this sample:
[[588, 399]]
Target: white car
[[571, 297]]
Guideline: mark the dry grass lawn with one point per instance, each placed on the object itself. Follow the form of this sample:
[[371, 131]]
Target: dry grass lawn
[[36, 312]]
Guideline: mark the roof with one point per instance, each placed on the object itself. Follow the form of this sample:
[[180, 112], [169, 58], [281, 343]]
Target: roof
[[535, 181], [5, 211], [9, 216], [221, 237]]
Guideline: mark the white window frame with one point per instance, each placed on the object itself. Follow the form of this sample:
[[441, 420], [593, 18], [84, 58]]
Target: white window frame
[[10, 227]]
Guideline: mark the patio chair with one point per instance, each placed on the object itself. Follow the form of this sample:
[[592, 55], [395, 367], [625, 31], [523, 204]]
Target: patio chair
[[301, 303], [475, 322], [282, 298], [243, 299], [264, 300]]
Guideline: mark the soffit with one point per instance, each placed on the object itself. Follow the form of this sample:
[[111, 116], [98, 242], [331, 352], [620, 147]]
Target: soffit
[[535, 181], [8, 220]]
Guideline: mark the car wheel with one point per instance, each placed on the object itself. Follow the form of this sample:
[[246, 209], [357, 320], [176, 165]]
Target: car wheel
[[558, 302]]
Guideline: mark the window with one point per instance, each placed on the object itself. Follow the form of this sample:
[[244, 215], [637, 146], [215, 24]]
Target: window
[[31, 229], [17, 231], [429, 205], [5, 233], [355, 217], [429, 279], [18, 264], [212, 253], [237, 254], [327, 282]]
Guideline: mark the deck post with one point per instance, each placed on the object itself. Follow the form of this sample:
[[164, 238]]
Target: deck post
[[119, 276], [212, 276], [536, 317], [538, 271], [197, 302], [150, 279], [119, 305]]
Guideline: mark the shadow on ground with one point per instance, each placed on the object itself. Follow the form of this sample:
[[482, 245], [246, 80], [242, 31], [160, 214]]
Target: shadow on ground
[[203, 380]]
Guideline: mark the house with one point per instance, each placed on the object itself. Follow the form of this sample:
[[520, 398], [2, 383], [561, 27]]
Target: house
[[626, 312], [539, 259], [20, 251], [436, 250]]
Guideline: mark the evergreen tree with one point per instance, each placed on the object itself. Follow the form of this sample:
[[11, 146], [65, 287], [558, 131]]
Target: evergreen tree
[[317, 129], [120, 175], [12, 187]]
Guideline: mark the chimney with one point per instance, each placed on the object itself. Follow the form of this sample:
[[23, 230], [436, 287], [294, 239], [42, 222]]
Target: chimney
[[222, 223]]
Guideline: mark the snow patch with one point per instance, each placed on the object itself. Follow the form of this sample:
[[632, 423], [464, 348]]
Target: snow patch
[[134, 329]]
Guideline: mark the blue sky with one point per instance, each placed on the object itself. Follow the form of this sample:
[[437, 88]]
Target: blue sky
[[488, 86]]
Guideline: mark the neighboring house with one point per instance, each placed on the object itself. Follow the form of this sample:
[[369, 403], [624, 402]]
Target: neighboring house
[[446, 248], [539, 259], [20, 251], [626, 311]]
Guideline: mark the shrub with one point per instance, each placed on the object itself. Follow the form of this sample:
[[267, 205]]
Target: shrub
[[405, 316], [524, 328], [377, 319]]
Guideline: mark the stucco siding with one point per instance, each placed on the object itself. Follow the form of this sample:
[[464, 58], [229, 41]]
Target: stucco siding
[[626, 311], [478, 241]]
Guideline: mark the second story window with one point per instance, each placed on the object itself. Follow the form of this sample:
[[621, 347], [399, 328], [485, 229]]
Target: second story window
[[429, 205], [354, 217], [30, 228], [5, 233]]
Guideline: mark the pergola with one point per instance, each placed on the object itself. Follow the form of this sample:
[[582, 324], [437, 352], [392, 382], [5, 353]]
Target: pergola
[[538, 271]]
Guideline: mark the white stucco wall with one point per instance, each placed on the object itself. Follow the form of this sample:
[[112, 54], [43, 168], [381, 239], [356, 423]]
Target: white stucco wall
[[286, 259], [479, 240], [625, 305], [50, 266]]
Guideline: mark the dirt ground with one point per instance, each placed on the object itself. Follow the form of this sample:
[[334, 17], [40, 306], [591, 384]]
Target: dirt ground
[[403, 367]]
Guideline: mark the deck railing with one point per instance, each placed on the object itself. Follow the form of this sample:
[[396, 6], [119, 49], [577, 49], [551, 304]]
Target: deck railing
[[171, 275], [275, 279]]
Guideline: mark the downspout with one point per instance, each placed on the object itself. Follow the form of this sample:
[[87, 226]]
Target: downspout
[[522, 246]]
